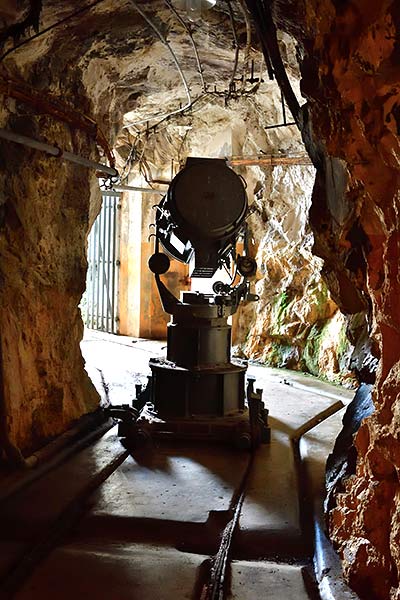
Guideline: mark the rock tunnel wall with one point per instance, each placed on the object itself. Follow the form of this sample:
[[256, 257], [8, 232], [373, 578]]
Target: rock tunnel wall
[[349, 55], [42, 272], [295, 324], [350, 63], [48, 206]]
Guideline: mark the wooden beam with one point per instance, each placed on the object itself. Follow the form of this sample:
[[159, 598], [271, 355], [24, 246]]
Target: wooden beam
[[271, 161]]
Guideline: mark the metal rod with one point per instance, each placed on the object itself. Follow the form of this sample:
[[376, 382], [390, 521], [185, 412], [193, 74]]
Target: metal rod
[[283, 108], [93, 237], [132, 188], [114, 260], [88, 277], [117, 254], [100, 272], [90, 164], [105, 259], [269, 160], [316, 420], [98, 230], [103, 263], [109, 315], [88, 281], [11, 136], [106, 274], [280, 125], [105, 283]]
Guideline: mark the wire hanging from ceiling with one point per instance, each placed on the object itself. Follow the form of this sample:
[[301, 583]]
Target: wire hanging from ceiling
[[227, 94], [235, 45], [231, 93], [175, 59], [195, 107], [246, 58], [189, 31]]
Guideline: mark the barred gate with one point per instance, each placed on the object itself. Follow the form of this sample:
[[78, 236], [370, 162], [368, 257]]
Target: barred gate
[[99, 304]]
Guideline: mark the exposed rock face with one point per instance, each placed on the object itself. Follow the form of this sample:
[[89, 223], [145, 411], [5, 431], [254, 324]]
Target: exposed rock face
[[350, 66], [351, 74], [42, 250], [111, 64], [295, 324], [342, 461], [47, 207]]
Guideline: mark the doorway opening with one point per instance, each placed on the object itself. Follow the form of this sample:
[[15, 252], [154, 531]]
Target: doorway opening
[[100, 301]]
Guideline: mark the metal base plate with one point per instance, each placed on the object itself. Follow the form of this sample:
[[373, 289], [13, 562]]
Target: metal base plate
[[233, 429]]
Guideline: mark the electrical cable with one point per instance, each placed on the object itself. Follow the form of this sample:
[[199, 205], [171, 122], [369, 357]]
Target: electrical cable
[[236, 45], [166, 117], [132, 158], [187, 28], [247, 95], [246, 58], [175, 59], [223, 94], [154, 129], [261, 11], [190, 103], [49, 28]]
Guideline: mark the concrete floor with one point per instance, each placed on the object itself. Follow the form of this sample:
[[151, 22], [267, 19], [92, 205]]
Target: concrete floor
[[108, 525]]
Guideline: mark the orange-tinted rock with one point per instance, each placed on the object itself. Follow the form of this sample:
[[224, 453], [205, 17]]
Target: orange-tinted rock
[[351, 77], [43, 265]]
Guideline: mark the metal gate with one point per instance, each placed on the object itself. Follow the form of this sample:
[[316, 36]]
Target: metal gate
[[99, 304]]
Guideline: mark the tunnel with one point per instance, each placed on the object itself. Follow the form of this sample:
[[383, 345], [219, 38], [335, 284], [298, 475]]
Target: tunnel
[[199, 299]]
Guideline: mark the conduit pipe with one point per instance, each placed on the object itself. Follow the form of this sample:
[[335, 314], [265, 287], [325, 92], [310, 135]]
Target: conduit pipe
[[11, 136], [246, 58], [132, 188], [53, 106], [272, 161], [236, 46]]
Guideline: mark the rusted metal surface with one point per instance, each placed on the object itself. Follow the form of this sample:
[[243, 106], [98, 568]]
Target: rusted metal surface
[[271, 161]]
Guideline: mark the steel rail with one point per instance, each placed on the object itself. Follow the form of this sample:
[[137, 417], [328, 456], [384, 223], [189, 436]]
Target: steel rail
[[215, 587]]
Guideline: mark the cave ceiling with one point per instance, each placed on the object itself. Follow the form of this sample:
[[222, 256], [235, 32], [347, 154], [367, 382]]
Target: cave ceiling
[[132, 66]]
